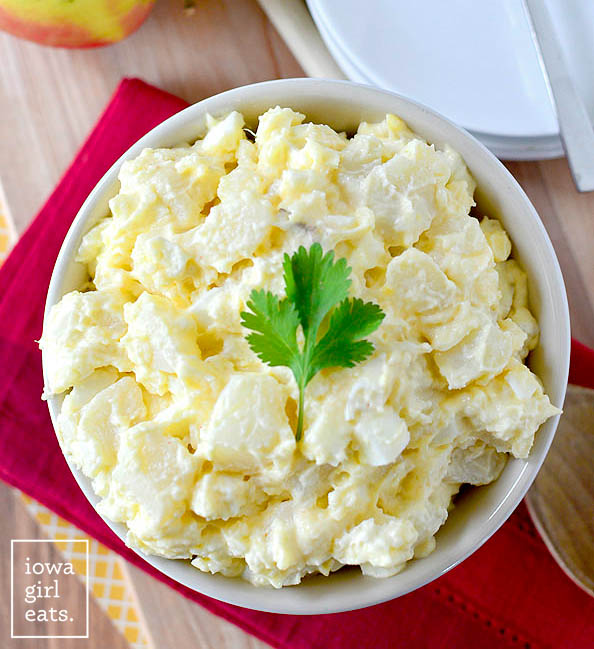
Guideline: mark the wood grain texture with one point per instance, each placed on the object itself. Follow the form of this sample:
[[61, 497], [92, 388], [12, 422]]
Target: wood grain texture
[[18, 524], [50, 98], [294, 23], [561, 501], [175, 622], [569, 219]]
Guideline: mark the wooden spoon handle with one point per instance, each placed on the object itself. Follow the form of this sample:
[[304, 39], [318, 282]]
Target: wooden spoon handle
[[561, 500]]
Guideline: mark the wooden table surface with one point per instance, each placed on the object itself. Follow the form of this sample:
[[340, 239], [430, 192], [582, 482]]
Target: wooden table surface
[[49, 100]]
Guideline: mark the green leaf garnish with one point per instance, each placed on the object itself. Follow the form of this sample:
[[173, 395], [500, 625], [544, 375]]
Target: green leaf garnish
[[314, 285]]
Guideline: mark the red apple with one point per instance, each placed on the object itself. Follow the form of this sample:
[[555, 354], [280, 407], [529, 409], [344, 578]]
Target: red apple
[[73, 23]]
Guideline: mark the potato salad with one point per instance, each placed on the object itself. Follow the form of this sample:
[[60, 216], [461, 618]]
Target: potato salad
[[189, 437]]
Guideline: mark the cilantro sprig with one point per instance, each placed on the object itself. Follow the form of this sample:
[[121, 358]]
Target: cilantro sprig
[[316, 286]]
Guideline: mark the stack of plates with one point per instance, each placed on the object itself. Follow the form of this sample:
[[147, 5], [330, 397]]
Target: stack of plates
[[475, 61]]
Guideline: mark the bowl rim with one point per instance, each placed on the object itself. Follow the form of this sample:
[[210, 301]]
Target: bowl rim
[[225, 592]]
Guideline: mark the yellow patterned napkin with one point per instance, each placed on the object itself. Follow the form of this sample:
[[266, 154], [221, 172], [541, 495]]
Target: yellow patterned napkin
[[7, 229], [107, 581]]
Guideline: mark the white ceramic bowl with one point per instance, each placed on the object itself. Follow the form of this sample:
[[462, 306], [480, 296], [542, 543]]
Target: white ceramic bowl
[[480, 511]]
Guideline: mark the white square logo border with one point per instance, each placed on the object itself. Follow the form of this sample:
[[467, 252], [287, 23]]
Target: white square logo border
[[12, 543]]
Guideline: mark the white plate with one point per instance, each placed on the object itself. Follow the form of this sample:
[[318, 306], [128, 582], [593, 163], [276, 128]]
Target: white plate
[[505, 148], [485, 50]]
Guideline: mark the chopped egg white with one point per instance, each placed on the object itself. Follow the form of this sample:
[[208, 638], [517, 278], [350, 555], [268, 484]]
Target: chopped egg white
[[189, 438]]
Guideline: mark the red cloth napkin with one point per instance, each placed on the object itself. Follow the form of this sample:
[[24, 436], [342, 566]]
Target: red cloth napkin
[[510, 593]]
